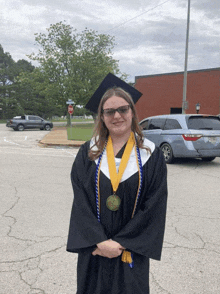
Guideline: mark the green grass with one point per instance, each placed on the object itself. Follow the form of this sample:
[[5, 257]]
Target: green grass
[[72, 120], [80, 132]]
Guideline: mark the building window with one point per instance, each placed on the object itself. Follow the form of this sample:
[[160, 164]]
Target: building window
[[175, 110]]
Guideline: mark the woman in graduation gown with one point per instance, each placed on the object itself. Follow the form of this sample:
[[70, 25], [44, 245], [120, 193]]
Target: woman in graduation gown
[[119, 181]]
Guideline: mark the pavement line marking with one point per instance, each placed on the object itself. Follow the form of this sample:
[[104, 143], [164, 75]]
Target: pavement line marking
[[11, 142], [68, 152], [38, 149], [25, 138], [39, 154]]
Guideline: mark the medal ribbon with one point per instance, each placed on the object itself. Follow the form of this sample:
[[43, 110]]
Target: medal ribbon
[[114, 176], [127, 256]]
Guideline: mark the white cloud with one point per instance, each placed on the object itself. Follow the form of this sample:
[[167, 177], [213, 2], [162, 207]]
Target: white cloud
[[150, 35]]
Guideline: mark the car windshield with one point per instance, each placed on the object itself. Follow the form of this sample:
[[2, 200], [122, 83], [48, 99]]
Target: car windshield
[[204, 123]]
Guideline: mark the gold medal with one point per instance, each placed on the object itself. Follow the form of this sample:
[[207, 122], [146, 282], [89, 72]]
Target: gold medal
[[113, 202]]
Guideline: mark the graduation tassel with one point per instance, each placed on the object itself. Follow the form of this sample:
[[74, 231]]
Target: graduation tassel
[[127, 258]]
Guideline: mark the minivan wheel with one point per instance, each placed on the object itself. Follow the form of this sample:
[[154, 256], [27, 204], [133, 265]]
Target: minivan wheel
[[208, 158], [167, 153], [20, 128], [47, 128]]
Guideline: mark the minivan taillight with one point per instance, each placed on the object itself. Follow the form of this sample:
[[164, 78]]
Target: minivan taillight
[[192, 137]]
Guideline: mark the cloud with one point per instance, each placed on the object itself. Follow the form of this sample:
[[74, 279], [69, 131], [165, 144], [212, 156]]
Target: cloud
[[150, 36]]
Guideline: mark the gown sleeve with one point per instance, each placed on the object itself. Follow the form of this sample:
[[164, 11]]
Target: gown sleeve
[[84, 230], [144, 233]]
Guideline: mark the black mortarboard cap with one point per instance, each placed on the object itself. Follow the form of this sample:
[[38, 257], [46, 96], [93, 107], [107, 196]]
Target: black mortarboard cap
[[110, 81]]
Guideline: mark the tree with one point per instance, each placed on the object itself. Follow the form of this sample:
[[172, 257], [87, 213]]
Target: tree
[[7, 73], [35, 96], [10, 92], [23, 66], [73, 64]]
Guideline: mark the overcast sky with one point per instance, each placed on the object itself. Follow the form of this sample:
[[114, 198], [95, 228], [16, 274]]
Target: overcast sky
[[150, 35]]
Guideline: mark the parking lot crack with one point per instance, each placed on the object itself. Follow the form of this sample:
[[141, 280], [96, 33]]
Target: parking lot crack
[[33, 257], [29, 269], [33, 290], [176, 230], [7, 215], [198, 236], [15, 202], [160, 289], [30, 275], [14, 220]]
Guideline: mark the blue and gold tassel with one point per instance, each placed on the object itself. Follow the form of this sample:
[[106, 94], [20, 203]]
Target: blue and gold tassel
[[127, 257]]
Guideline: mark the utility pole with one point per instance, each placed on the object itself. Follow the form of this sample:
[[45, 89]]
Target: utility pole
[[184, 104]]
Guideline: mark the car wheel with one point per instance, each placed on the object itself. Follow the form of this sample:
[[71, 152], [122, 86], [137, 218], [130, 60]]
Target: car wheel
[[208, 158], [167, 153], [47, 128], [20, 128]]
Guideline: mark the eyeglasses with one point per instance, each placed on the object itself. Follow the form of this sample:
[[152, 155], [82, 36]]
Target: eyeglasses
[[111, 111]]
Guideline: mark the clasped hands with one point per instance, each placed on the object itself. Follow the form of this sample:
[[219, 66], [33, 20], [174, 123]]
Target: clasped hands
[[109, 249]]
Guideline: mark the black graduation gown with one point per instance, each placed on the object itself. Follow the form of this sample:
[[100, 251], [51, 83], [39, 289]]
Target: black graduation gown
[[142, 234]]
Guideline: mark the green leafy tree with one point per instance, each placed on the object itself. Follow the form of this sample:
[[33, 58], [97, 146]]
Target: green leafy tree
[[35, 94], [10, 92], [73, 64], [7, 102], [23, 92]]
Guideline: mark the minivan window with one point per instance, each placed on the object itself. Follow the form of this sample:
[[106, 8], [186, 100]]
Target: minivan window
[[145, 125], [172, 124], [157, 123], [204, 123]]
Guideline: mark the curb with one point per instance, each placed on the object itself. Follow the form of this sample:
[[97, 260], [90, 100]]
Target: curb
[[52, 140], [42, 144]]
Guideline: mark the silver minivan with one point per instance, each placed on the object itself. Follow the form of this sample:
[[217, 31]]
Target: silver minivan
[[184, 135]]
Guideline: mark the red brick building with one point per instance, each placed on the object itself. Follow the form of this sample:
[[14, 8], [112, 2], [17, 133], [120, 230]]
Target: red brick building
[[163, 93]]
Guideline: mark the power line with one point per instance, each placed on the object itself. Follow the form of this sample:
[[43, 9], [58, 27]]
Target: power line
[[136, 16]]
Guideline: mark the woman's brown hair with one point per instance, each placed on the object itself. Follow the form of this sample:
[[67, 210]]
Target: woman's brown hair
[[101, 132]]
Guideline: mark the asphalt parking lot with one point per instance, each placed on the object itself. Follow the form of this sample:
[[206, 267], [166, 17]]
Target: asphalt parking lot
[[36, 199]]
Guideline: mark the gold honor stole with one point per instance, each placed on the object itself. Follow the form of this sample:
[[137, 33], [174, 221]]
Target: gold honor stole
[[113, 201]]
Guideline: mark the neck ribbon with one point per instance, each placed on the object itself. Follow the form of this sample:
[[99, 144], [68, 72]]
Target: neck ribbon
[[116, 177]]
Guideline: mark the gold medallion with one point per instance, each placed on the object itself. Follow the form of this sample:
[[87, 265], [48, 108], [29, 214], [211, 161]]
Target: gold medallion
[[113, 202]]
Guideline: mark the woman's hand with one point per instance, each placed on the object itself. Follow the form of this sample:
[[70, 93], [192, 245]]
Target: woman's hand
[[108, 248], [97, 251]]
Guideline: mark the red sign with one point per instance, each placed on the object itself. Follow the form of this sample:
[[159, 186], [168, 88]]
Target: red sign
[[70, 109]]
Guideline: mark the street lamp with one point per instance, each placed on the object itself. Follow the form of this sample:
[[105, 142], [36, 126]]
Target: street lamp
[[197, 107]]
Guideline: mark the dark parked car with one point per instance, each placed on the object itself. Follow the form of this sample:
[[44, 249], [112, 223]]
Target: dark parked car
[[19, 123], [184, 135]]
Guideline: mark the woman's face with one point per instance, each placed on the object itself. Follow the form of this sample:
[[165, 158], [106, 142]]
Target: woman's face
[[117, 123]]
